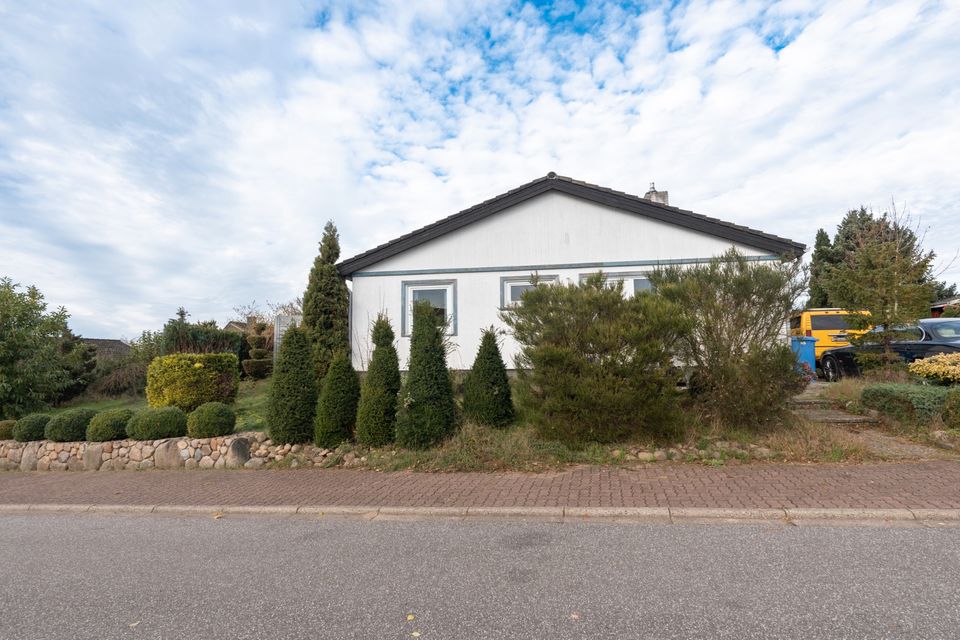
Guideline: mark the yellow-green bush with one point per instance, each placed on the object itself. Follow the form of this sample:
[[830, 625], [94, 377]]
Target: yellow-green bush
[[943, 367], [188, 380]]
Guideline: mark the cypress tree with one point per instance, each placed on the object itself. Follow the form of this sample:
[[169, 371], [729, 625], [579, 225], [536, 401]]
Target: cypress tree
[[486, 391], [293, 394], [337, 407], [326, 304], [377, 413], [427, 412], [819, 261]]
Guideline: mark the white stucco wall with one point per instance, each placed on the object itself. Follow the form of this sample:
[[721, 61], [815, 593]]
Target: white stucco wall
[[553, 235]]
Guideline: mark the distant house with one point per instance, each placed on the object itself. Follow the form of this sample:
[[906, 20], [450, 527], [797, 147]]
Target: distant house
[[938, 307], [108, 348], [235, 325], [478, 261]]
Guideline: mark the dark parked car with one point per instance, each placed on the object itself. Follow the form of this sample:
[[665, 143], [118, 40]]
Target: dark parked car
[[930, 337]]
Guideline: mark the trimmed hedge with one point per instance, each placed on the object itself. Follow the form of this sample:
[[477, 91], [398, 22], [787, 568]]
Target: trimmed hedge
[[6, 429], [912, 404], [486, 392], [109, 425], [187, 380], [293, 393], [211, 420], [69, 426], [156, 423], [377, 411], [30, 428], [337, 406]]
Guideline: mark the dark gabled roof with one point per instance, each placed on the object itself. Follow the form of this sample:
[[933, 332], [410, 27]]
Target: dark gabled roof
[[585, 191]]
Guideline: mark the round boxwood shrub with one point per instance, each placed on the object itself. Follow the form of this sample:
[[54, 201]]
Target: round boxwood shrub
[[156, 423], [6, 429], [69, 426], [187, 380], [109, 425], [31, 427], [210, 420]]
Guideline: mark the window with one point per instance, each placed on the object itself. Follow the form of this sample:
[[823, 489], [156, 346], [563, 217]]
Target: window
[[641, 284], [633, 283], [832, 322], [442, 296], [512, 288]]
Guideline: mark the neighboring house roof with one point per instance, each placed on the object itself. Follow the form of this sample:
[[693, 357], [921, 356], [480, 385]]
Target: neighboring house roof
[[235, 325], [591, 192], [945, 302], [107, 346]]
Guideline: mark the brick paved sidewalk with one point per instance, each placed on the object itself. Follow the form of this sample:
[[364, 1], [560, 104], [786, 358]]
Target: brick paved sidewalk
[[924, 485]]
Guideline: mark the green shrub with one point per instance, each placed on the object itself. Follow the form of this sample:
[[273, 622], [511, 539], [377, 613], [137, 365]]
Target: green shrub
[[257, 369], [486, 391], [293, 392], [911, 404], [427, 411], [6, 429], [260, 363], [109, 425], [337, 406], [593, 365], [326, 304], [187, 380], [256, 341], [69, 426], [30, 428], [258, 354], [377, 411], [210, 420], [157, 423], [743, 374], [951, 409]]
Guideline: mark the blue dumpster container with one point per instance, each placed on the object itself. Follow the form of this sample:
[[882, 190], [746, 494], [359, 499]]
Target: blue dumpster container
[[804, 347]]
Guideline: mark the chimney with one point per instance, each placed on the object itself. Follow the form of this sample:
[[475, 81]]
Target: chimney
[[662, 197]]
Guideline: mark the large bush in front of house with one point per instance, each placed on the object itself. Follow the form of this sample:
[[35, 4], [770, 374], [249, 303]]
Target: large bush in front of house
[[6, 429], [31, 428], [109, 425], [326, 304], [157, 423], [337, 406], [486, 391], [740, 368], [427, 412], [69, 426], [377, 412], [210, 420], [911, 404], [187, 380], [595, 366], [293, 391]]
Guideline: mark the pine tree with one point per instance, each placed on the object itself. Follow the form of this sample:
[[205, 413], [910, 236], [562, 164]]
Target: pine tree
[[821, 257], [377, 413], [486, 391], [326, 304], [337, 407], [293, 393], [427, 412]]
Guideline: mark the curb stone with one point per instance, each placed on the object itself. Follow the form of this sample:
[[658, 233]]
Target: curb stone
[[677, 515]]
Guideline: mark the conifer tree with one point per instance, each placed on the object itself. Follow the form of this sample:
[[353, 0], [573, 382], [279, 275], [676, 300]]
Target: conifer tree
[[293, 393], [486, 391], [377, 413], [326, 303], [819, 259], [427, 412], [337, 407]]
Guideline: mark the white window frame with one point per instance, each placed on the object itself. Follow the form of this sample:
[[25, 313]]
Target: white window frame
[[407, 289], [509, 281], [626, 277]]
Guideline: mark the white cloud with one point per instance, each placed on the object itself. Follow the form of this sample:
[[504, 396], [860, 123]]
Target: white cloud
[[182, 154]]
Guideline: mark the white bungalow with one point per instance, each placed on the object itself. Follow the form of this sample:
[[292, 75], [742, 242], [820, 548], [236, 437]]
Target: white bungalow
[[478, 261]]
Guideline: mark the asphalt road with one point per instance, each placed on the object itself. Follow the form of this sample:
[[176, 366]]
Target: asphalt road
[[111, 576]]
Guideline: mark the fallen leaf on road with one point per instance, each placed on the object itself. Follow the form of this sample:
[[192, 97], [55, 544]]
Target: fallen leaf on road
[[217, 515], [415, 634], [409, 616], [132, 625], [574, 616]]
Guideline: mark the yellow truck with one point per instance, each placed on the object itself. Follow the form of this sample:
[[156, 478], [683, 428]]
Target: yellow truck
[[828, 326]]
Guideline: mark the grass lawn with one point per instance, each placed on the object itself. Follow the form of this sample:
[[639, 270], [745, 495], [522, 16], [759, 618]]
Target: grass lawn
[[251, 404]]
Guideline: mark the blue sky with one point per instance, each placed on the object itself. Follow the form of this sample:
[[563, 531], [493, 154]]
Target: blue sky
[[154, 155]]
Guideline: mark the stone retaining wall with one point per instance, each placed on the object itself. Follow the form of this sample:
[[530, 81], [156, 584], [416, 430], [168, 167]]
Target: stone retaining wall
[[250, 450]]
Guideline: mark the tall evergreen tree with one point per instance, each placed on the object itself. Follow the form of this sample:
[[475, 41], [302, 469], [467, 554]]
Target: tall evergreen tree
[[377, 413], [486, 391], [293, 393], [821, 257], [337, 407], [326, 304], [427, 410]]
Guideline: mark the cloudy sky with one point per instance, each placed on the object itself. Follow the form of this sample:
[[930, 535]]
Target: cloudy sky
[[188, 153]]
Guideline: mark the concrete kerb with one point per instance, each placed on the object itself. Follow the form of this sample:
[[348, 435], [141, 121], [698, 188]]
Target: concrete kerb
[[676, 515]]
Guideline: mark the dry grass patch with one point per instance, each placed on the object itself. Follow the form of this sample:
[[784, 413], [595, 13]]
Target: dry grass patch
[[845, 394], [805, 441]]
